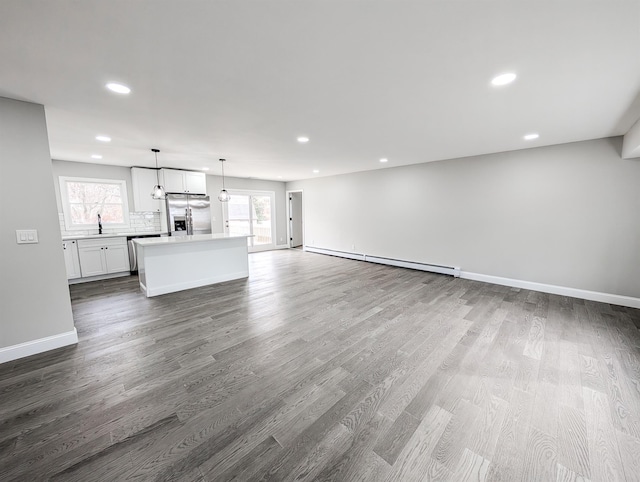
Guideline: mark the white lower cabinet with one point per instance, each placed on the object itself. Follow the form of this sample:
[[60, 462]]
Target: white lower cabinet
[[71, 259], [103, 256], [117, 258]]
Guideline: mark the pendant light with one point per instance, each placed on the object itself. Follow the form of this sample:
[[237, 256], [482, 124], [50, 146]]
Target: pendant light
[[158, 191], [224, 194]]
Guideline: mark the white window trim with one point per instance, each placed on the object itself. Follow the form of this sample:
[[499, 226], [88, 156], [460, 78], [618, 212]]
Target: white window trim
[[66, 211], [272, 194]]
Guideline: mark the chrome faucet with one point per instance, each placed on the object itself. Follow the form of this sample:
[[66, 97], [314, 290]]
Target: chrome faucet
[[99, 224]]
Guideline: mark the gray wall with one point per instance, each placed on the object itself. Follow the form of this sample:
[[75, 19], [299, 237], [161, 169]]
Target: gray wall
[[214, 184], [565, 215], [34, 291]]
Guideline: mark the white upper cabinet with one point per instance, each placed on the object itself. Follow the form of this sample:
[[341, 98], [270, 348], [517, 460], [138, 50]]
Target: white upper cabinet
[[143, 180], [195, 182], [173, 180], [189, 182]]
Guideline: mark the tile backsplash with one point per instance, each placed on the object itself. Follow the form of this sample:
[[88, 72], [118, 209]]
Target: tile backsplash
[[139, 222]]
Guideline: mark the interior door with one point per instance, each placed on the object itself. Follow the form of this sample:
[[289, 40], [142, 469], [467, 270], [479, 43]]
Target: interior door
[[251, 213], [295, 219]]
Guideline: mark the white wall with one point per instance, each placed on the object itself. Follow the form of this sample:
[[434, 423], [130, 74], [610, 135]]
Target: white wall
[[214, 184], [565, 215], [34, 292]]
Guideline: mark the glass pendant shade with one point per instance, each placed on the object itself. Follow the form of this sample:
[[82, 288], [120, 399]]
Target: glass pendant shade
[[223, 196], [158, 190]]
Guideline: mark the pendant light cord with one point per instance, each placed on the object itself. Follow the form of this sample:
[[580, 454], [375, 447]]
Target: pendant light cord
[[155, 151], [222, 161]]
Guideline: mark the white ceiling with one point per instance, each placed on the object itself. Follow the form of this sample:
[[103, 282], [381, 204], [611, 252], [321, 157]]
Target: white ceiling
[[406, 80]]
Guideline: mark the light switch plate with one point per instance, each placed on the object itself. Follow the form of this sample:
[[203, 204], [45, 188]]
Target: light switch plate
[[27, 236]]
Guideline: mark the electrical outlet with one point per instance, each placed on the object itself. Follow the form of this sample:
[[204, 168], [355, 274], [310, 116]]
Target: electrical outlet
[[26, 236]]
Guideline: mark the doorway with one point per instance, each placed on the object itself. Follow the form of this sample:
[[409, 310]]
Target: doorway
[[295, 227], [251, 213]]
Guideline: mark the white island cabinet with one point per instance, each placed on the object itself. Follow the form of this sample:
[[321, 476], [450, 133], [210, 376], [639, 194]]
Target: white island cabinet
[[177, 263]]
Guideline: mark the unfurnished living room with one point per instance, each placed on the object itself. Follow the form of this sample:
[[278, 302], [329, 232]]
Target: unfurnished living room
[[381, 240]]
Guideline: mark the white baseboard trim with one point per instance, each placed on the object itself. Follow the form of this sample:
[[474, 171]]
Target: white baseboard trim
[[612, 299], [41, 345], [74, 281]]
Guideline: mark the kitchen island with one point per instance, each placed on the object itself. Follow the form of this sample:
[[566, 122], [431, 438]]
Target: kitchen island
[[177, 263]]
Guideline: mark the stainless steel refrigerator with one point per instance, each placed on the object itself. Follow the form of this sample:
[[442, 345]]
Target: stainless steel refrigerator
[[188, 214]]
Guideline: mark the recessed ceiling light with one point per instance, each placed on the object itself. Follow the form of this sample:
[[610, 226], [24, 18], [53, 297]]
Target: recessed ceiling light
[[384, 159], [303, 139], [279, 177], [205, 168], [315, 171], [504, 79], [530, 137], [103, 138], [96, 156], [118, 88]]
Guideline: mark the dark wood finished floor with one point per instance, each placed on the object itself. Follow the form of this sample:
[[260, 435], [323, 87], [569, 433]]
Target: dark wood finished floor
[[320, 368]]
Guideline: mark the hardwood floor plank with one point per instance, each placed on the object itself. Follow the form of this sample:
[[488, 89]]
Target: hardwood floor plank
[[394, 440], [603, 446], [450, 447], [321, 368], [414, 460], [507, 462], [540, 456], [568, 475], [629, 455], [472, 468], [483, 435], [573, 448]]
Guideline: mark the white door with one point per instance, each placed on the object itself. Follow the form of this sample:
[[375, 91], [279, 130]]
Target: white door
[[251, 213], [295, 219]]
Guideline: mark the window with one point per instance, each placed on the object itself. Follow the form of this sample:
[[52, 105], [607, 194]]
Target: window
[[252, 213], [83, 199]]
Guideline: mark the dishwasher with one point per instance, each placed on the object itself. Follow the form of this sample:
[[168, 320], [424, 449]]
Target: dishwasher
[[133, 259]]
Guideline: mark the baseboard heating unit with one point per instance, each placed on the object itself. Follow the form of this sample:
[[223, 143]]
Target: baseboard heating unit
[[434, 268]]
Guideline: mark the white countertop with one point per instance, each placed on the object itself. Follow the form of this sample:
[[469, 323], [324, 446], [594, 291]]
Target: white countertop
[[68, 237], [195, 238]]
